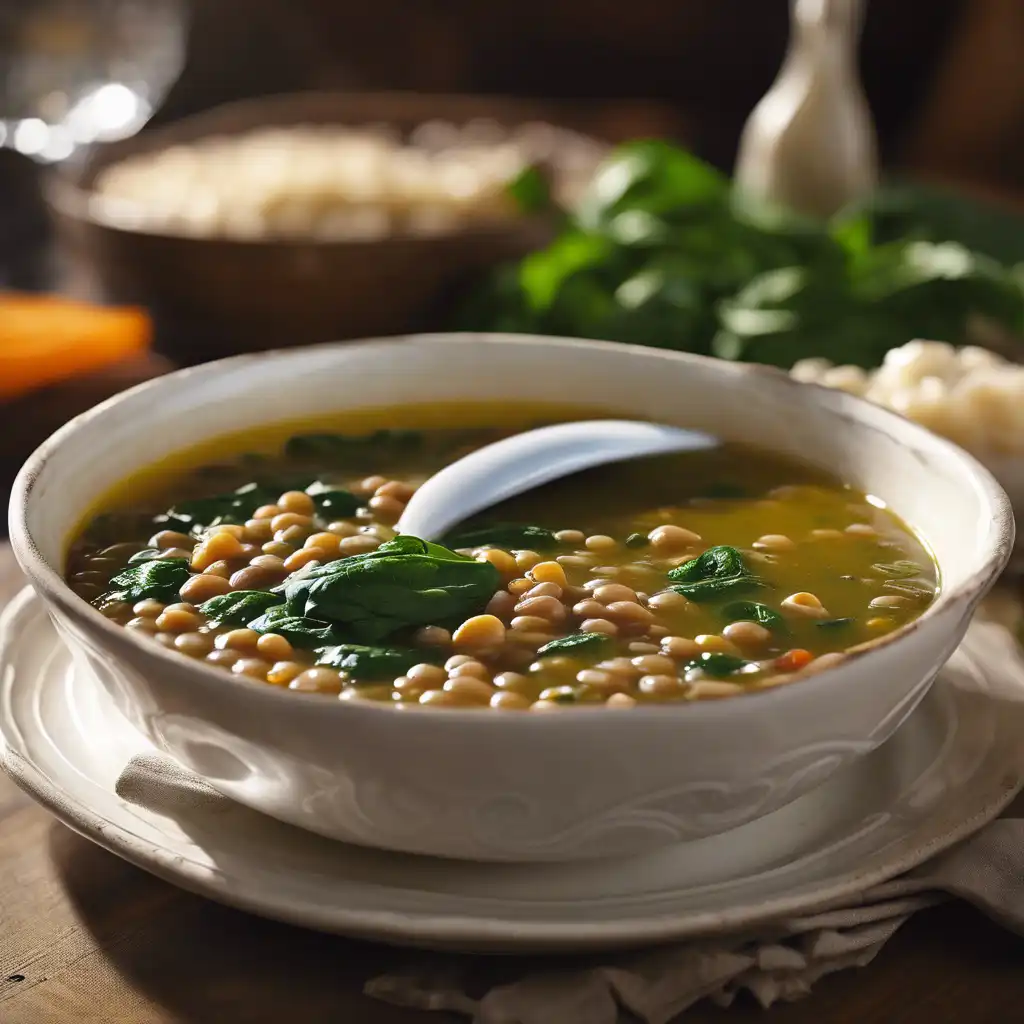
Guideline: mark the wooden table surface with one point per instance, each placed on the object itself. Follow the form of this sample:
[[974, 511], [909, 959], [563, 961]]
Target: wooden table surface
[[86, 937]]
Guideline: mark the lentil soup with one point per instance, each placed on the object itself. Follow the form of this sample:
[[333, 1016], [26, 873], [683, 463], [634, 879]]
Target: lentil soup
[[685, 577]]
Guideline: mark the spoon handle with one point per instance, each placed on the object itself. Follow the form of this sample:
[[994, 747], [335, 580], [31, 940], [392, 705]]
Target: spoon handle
[[524, 461]]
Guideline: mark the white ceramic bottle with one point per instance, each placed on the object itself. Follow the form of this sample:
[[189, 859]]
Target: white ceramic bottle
[[810, 144]]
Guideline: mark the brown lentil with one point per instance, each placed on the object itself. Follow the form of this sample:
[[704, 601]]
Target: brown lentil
[[501, 560], [283, 672], [479, 631], [599, 626], [176, 619], [194, 644], [506, 700], [238, 640], [204, 586], [317, 680], [255, 577], [388, 508], [361, 544], [221, 568], [470, 688], [275, 647], [223, 658]]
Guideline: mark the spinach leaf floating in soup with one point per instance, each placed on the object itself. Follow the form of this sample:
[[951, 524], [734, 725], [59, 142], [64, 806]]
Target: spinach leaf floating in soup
[[719, 572], [579, 645], [404, 582], [298, 630], [665, 580], [217, 510], [155, 580], [237, 608], [504, 535], [751, 611], [360, 662]]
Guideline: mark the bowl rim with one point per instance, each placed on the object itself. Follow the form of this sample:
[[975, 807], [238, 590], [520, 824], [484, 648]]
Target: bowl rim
[[998, 541]]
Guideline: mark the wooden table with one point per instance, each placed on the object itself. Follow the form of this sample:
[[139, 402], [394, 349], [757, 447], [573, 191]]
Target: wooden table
[[85, 937]]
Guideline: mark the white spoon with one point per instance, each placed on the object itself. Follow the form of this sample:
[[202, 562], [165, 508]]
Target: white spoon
[[522, 462]]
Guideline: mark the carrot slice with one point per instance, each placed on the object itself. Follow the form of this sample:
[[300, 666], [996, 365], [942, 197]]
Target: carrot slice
[[793, 660], [45, 339]]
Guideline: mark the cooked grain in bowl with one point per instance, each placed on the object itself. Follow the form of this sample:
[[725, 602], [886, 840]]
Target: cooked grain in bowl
[[680, 578]]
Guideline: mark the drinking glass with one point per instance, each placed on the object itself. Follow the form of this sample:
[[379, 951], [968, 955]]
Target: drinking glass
[[78, 72], [73, 73]]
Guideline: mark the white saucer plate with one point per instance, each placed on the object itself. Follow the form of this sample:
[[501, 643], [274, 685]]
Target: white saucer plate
[[954, 766]]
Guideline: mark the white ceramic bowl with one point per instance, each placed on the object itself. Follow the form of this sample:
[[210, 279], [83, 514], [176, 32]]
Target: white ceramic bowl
[[578, 783], [1009, 473]]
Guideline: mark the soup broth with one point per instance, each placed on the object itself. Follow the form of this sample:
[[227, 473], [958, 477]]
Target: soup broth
[[686, 577]]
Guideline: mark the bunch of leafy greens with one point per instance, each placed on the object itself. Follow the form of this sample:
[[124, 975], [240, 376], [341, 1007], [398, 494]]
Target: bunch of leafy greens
[[662, 251]]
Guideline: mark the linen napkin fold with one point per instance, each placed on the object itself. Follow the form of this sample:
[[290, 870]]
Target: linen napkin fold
[[781, 961]]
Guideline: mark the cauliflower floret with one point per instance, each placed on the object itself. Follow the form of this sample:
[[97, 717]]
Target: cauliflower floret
[[846, 378], [910, 364], [810, 371], [970, 395]]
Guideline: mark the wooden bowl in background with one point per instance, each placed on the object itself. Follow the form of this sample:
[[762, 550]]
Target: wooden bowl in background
[[218, 296]]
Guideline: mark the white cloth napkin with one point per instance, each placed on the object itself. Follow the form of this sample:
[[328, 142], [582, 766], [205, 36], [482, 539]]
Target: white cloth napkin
[[781, 962]]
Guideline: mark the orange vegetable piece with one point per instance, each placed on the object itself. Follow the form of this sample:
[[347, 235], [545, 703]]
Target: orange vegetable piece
[[45, 339], [793, 660]]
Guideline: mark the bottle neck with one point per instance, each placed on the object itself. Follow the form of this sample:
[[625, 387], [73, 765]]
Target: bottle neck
[[826, 25]]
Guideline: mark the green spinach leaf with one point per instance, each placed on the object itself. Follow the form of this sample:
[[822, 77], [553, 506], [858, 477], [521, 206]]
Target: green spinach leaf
[[531, 191], [510, 536], [201, 513], [718, 664], [913, 589], [351, 450], [901, 211], [372, 663], [576, 645], [831, 625], [158, 580], [718, 572], [238, 607], [934, 288], [751, 611], [299, 631], [406, 582], [334, 502], [726, 490], [653, 176], [901, 570], [561, 694], [147, 555]]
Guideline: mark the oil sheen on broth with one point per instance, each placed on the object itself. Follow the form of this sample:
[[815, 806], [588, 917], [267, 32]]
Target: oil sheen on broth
[[687, 577]]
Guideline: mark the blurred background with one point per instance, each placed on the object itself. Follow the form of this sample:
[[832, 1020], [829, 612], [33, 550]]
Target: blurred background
[[89, 86], [945, 84]]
